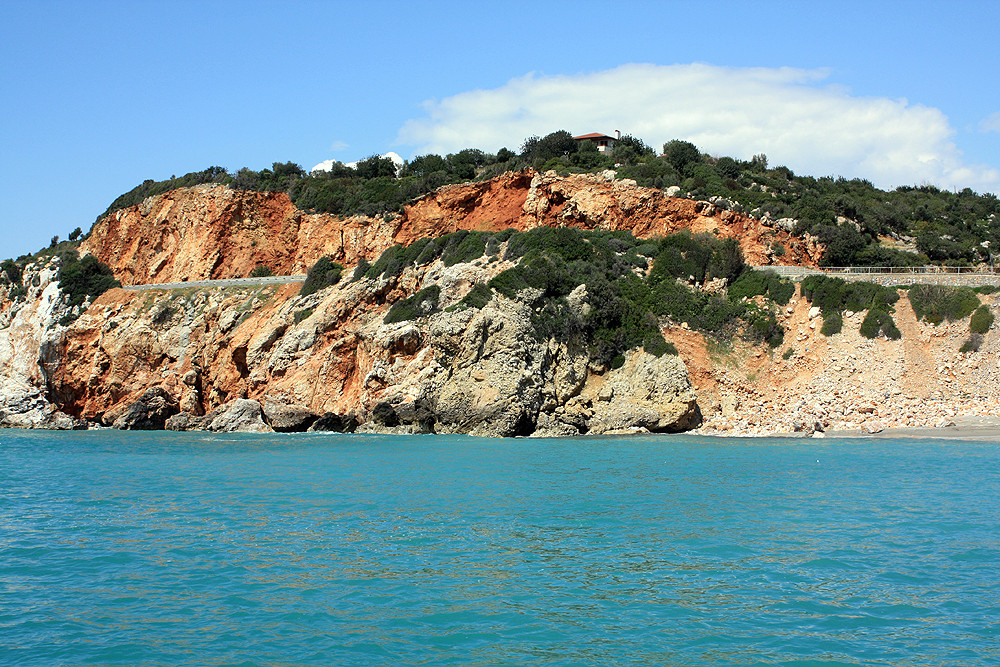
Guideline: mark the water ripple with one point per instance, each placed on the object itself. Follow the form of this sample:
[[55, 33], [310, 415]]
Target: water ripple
[[260, 549]]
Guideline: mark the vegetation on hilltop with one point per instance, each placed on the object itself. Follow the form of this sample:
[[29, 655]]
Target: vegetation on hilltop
[[858, 223], [149, 187]]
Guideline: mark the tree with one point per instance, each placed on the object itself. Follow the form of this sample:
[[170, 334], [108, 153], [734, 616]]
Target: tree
[[504, 154], [681, 154], [640, 147], [54, 242], [424, 165], [728, 167], [554, 144], [375, 167], [75, 234]]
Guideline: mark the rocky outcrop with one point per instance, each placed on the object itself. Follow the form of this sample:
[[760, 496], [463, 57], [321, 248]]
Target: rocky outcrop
[[149, 413], [287, 418], [30, 337], [647, 393], [524, 200]]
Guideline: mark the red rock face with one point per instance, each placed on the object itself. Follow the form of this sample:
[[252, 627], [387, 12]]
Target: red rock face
[[207, 232]]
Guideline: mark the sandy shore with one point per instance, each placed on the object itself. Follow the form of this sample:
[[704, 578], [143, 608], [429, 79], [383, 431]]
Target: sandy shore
[[965, 428]]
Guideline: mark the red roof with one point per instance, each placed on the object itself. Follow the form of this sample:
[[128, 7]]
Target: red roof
[[593, 135]]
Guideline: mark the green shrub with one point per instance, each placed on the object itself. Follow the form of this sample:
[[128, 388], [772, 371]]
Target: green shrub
[[986, 289], [83, 278], [837, 295], [301, 315], [360, 270], [463, 246], [879, 321], [973, 344], [10, 272], [422, 303], [261, 271], [833, 323], [477, 297], [324, 273], [981, 320], [625, 309], [936, 303], [788, 354], [755, 283]]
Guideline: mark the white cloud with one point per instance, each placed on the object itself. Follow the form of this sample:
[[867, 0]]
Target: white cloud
[[327, 165], [787, 113], [991, 123]]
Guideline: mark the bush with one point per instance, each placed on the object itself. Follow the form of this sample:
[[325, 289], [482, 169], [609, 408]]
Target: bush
[[833, 323], [981, 320], [936, 303], [973, 344], [85, 278], [422, 303], [360, 270], [261, 271], [10, 272], [324, 273], [756, 283], [836, 295], [477, 297], [788, 354], [879, 321], [301, 315]]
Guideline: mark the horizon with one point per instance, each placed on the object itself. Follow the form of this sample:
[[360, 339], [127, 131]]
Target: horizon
[[896, 96]]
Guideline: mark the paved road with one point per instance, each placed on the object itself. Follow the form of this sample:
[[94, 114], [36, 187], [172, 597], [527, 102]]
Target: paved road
[[229, 282]]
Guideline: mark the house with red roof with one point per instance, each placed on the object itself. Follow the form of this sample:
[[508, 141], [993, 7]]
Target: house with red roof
[[603, 141]]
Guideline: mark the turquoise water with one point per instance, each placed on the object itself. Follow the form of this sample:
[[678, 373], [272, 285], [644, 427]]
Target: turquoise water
[[123, 548]]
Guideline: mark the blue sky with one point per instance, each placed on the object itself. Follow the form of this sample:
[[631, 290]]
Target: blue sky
[[98, 96]]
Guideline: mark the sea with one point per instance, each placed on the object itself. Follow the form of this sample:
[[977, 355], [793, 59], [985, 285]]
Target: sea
[[326, 549]]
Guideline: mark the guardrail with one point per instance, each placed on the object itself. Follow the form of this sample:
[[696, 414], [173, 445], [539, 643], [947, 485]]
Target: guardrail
[[224, 282], [915, 270], [895, 275]]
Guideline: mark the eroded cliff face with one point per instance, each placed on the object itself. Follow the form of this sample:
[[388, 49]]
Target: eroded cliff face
[[30, 335], [263, 352], [210, 231], [595, 201]]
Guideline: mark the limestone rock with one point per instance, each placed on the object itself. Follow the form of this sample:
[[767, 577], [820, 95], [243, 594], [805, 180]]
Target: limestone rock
[[647, 392], [149, 413], [334, 422], [242, 415], [287, 418]]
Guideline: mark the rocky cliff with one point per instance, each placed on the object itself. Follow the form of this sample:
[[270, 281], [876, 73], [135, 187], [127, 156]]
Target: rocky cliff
[[265, 358], [268, 353]]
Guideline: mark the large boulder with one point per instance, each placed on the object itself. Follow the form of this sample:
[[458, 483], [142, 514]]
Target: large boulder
[[496, 374], [646, 392], [149, 413], [334, 422], [288, 418], [241, 416]]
